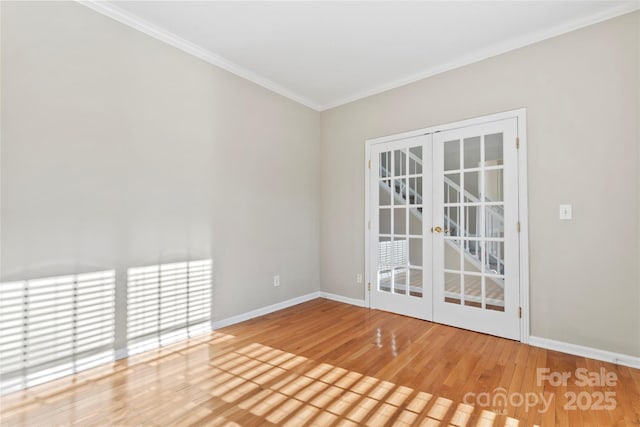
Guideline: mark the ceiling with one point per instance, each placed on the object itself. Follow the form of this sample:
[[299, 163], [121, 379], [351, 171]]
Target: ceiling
[[325, 54]]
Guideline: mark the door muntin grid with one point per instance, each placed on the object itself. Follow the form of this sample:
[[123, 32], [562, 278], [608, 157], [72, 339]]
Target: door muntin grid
[[473, 218], [400, 229]]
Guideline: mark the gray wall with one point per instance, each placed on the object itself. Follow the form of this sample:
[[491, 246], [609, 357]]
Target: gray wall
[[582, 92], [120, 151]]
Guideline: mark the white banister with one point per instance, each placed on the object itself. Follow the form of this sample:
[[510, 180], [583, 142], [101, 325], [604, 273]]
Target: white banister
[[494, 220]]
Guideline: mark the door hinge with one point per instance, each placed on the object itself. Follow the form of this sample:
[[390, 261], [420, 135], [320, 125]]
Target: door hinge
[[369, 225], [520, 312], [369, 286], [517, 143], [518, 226], [369, 164]]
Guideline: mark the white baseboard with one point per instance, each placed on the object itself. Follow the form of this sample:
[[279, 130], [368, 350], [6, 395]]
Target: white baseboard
[[564, 347], [340, 298], [264, 310], [270, 309], [590, 352]]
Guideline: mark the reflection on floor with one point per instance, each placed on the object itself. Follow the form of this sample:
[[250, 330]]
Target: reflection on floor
[[320, 363]]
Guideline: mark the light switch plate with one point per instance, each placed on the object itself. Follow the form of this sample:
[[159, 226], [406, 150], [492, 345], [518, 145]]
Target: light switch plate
[[566, 212]]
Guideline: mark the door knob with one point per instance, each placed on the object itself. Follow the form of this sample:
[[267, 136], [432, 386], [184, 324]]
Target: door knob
[[438, 229]]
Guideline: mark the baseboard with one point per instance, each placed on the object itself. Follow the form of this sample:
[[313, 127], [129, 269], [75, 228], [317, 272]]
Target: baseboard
[[124, 352], [264, 310], [340, 298], [549, 344], [590, 352]]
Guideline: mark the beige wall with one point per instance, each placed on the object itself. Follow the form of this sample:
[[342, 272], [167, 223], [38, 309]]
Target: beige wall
[[120, 151], [581, 91]]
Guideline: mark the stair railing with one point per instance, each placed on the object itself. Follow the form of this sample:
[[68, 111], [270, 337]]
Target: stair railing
[[493, 219]]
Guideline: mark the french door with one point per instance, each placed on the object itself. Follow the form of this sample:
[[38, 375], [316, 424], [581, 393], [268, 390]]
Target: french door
[[444, 227], [400, 222], [475, 199]]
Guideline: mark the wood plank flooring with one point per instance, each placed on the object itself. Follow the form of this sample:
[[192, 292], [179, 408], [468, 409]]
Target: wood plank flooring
[[324, 363]]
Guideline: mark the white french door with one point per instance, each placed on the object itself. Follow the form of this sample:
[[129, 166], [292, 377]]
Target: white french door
[[475, 199], [444, 238], [400, 220]]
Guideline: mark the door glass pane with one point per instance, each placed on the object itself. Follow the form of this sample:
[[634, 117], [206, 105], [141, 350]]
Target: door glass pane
[[494, 257], [415, 282], [451, 220], [399, 162], [400, 189], [400, 255], [415, 252], [493, 149], [471, 187], [452, 155], [452, 287], [415, 160], [452, 255], [385, 164], [494, 221], [399, 280], [415, 191], [494, 290], [384, 226], [473, 291], [452, 188], [471, 221], [400, 211], [385, 192], [493, 185], [384, 280], [385, 254], [471, 152], [400, 221], [415, 222], [473, 256]]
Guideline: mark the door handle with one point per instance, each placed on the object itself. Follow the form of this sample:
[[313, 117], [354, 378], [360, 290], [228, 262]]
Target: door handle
[[438, 229]]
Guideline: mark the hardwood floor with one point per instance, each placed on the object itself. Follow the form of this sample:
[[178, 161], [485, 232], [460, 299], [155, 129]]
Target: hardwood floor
[[325, 363]]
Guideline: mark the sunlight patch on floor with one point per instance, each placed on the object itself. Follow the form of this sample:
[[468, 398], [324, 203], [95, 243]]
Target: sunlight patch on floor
[[222, 385], [284, 389]]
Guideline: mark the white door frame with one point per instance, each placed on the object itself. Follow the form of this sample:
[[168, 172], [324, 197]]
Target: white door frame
[[521, 116]]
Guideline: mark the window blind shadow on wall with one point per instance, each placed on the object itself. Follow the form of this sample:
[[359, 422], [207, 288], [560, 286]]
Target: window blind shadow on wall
[[167, 303], [55, 326]]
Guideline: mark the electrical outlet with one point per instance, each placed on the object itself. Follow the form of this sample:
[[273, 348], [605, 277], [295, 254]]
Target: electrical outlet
[[276, 280], [359, 278]]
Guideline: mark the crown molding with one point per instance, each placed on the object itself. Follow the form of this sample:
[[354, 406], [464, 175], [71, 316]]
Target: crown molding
[[108, 9], [133, 21], [491, 51]]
